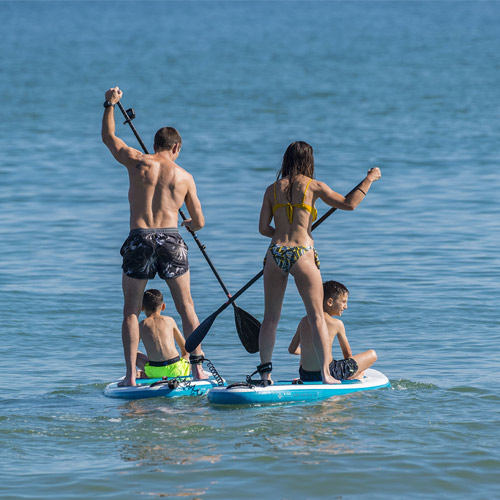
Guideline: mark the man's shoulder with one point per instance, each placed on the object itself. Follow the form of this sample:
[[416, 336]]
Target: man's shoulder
[[180, 174], [183, 172], [143, 164]]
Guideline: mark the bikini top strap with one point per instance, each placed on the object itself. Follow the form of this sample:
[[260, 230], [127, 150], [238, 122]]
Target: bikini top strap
[[304, 198], [275, 199]]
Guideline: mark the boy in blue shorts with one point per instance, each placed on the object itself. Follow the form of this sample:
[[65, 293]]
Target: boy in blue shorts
[[351, 367], [159, 334]]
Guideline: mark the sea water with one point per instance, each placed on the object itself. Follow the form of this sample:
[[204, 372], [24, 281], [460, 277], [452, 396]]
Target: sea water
[[411, 87]]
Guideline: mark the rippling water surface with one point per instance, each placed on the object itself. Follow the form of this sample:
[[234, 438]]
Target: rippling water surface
[[409, 86]]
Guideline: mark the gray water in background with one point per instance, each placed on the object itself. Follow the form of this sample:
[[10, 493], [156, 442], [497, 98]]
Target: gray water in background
[[411, 87]]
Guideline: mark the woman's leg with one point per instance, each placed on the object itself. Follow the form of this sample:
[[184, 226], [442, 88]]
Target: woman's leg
[[309, 284], [275, 281]]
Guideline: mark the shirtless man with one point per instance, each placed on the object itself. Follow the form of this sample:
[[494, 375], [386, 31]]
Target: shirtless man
[[158, 188], [351, 367]]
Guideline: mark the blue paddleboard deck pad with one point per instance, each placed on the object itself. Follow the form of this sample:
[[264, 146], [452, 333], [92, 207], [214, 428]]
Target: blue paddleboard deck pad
[[157, 387], [289, 392]]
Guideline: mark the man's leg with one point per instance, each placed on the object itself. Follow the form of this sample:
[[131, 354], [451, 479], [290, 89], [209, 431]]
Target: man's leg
[[180, 289], [133, 291]]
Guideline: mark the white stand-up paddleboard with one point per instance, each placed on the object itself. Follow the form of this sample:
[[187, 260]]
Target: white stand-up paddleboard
[[157, 387], [290, 392]]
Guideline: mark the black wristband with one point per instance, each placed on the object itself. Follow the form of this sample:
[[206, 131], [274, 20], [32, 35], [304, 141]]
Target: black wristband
[[357, 187], [108, 104]]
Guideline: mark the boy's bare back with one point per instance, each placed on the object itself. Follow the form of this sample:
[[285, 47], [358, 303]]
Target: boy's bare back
[[303, 338], [159, 334]]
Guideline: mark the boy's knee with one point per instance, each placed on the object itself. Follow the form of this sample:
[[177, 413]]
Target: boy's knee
[[373, 354]]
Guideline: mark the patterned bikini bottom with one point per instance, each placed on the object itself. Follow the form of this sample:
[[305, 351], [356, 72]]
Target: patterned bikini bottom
[[285, 257]]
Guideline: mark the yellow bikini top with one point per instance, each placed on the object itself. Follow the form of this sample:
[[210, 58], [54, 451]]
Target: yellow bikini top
[[290, 206]]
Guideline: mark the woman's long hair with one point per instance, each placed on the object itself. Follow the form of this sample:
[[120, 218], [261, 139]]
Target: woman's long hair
[[297, 160]]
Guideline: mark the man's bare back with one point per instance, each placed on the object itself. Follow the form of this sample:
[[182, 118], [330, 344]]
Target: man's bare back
[[158, 189], [158, 186]]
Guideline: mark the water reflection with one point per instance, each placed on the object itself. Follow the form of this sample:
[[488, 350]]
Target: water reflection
[[189, 431]]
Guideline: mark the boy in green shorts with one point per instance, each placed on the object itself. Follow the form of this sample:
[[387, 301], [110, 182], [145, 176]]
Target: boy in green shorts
[[351, 367], [158, 333]]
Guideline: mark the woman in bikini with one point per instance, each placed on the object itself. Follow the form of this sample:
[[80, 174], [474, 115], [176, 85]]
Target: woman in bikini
[[290, 200]]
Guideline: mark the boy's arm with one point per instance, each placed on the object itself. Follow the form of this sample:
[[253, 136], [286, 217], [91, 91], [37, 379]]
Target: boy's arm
[[179, 338], [294, 347], [344, 343]]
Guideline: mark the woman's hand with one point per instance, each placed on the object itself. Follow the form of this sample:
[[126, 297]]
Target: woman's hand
[[374, 174]]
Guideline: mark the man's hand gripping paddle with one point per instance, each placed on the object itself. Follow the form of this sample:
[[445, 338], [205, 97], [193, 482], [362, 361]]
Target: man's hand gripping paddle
[[199, 333], [246, 325]]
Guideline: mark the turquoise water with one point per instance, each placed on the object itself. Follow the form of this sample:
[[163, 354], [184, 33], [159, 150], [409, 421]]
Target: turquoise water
[[409, 86]]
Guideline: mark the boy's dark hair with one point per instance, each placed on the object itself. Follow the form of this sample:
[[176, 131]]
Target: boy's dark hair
[[152, 300], [165, 139], [333, 289]]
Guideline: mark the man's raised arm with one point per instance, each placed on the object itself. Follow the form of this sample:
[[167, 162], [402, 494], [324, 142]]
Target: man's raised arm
[[123, 154]]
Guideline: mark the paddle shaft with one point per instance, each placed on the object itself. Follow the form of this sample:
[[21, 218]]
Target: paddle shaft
[[129, 121], [183, 216]]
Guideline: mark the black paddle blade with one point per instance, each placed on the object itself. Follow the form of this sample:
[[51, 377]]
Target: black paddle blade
[[248, 329], [198, 334]]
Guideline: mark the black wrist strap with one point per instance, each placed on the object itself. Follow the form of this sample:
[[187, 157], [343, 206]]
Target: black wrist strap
[[196, 359]]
